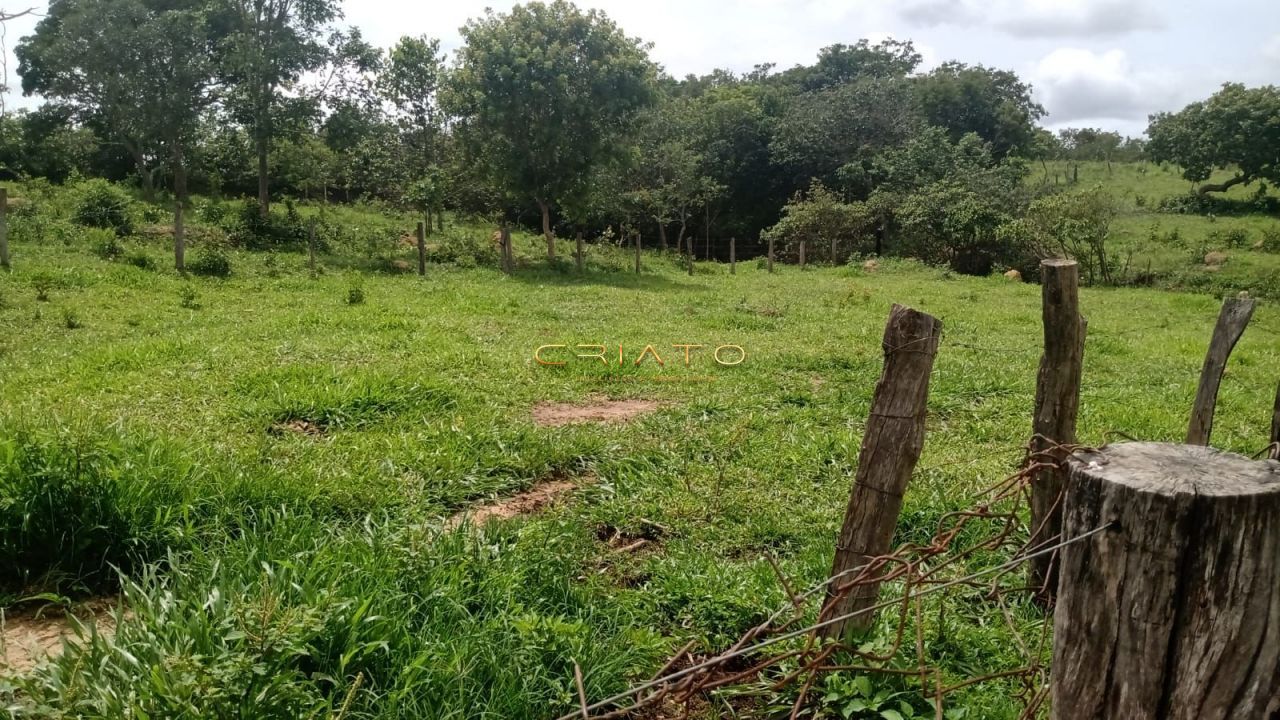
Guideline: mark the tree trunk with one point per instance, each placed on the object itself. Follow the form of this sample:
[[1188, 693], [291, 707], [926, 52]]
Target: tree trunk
[[1232, 321], [689, 246], [179, 239], [891, 445], [440, 219], [637, 253], [733, 256], [264, 190], [1057, 405], [1173, 611], [1222, 186], [662, 235], [546, 230], [4, 229], [422, 246]]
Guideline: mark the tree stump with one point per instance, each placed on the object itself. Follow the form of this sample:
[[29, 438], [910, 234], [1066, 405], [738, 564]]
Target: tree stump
[[1173, 613]]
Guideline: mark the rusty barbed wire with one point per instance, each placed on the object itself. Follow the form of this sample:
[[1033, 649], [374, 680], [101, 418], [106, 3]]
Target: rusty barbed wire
[[920, 568]]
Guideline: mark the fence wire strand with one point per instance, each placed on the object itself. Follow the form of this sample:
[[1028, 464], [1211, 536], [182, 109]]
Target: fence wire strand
[[920, 568]]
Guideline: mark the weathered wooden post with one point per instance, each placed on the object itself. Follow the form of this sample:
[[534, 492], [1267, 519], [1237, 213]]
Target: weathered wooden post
[[311, 246], [637, 253], [422, 248], [1057, 404], [733, 256], [690, 254], [1173, 612], [1231, 324], [891, 445], [179, 241], [508, 262], [771, 256], [1275, 427], [801, 254], [834, 260], [577, 252], [4, 229]]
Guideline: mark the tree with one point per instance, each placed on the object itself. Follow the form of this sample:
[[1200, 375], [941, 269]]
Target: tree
[[995, 104], [411, 83], [270, 44], [545, 94], [1237, 127], [145, 69], [824, 221], [839, 64]]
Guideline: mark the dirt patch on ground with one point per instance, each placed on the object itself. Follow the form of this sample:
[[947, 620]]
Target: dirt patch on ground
[[32, 636], [299, 427], [541, 496], [597, 410]]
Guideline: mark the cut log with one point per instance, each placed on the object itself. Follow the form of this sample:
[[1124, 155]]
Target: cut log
[[1231, 324], [1173, 613], [891, 446]]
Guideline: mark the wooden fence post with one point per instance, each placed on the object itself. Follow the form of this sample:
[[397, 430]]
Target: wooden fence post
[[770, 256], [801, 254], [179, 239], [508, 262], [690, 256], [311, 246], [1275, 427], [422, 248], [637, 253], [733, 256], [1057, 405], [1170, 613], [891, 445], [1231, 324], [833, 252], [4, 229], [577, 251]]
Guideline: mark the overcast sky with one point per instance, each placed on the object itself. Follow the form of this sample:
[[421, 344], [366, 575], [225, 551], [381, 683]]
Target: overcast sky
[[1104, 63]]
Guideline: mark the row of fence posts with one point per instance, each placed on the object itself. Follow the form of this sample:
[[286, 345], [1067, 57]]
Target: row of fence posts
[[1173, 611], [507, 264]]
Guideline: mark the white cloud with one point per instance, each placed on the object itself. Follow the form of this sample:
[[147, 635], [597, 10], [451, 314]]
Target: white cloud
[[1075, 84], [1271, 49], [1039, 18]]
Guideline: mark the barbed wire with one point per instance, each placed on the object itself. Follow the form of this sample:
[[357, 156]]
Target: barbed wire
[[919, 566]]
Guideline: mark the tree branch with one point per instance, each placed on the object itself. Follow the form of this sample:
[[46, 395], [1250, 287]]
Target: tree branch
[[1223, 186]]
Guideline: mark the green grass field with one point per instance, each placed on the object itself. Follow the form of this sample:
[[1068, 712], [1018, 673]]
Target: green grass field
[[147, 425]]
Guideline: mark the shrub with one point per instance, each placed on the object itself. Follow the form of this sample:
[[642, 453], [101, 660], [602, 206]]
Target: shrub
[[70, 320], [42, 283], [187, 298], [140, 259], [101, 204], [210, 261], [105, 244], [155, 214], [1233, 238], [355, 293], [1271, 239]]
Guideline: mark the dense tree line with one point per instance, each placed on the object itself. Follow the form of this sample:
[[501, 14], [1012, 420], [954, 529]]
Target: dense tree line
[[548, 115]]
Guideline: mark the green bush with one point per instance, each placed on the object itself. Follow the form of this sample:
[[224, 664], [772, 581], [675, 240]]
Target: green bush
[[101, 204], [210, 261], [141, 260], [105, 243]]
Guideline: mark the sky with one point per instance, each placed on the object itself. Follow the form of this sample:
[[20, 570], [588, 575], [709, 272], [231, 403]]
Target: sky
[[1095, 63]]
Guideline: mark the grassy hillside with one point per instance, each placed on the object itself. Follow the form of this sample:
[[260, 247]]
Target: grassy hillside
[[1165, 244], [272, 464]]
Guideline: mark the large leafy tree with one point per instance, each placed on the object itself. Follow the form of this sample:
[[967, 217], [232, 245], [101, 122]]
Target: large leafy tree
[[1237, 128], [994, 104], [270, 44], [544, 95], [144, 69], [411, 82]]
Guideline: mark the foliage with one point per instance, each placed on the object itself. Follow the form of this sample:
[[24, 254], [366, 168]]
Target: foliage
[[100, 204], [542, 95], [1236, 127], [819, 217], [1074, 225], [994, 104], [210, 261]]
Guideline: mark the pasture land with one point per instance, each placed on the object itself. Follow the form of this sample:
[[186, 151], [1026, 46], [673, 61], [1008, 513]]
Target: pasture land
[[273, 461]]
